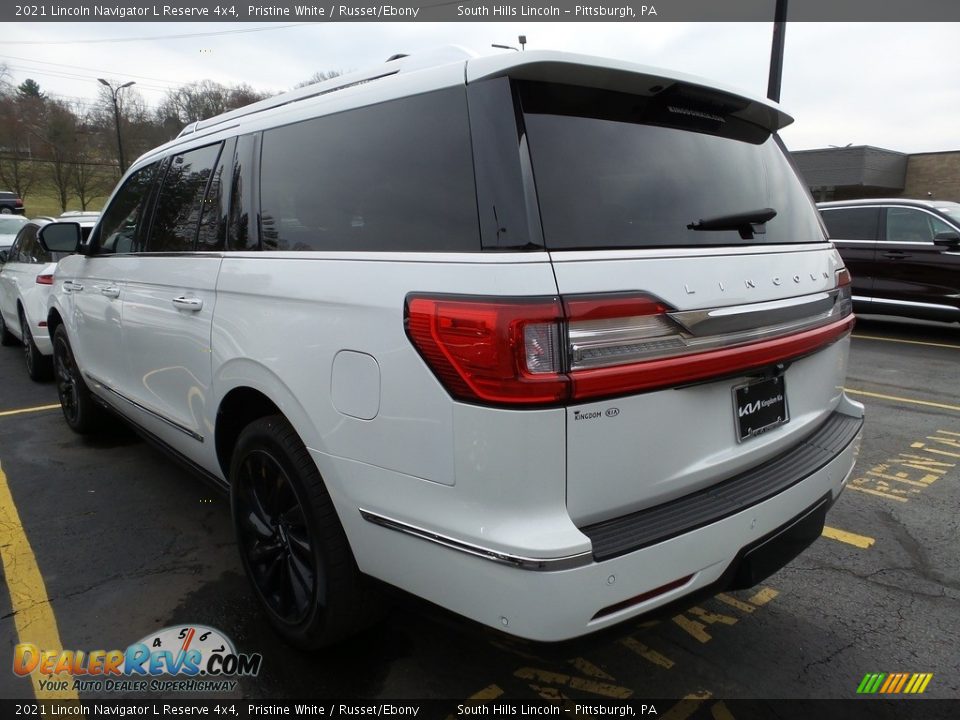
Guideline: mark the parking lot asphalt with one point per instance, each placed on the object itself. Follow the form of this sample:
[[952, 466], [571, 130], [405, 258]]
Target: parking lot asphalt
[[106, 541]]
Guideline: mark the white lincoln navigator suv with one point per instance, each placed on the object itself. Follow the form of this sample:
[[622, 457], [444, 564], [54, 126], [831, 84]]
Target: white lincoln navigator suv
[[548, 340]]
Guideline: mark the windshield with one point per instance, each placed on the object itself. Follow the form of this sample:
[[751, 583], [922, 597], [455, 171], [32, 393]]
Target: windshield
[[951, 212], [10, 225], [620, 171]]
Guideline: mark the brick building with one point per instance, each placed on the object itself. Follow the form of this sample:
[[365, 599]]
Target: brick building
[[864, 171]]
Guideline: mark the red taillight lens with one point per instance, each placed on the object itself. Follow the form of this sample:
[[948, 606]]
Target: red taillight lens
[[547, 351], [493, 351], [45, 279]]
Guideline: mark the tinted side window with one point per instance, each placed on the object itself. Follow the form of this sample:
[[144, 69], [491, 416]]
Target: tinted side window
[[180, 202], [31, 251], [852, 223], [241, 234], [13, 253], [397, 176], [213, 216], [122, 218], [908, 225]]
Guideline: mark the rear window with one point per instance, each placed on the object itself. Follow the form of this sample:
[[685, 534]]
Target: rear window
[[614, 170]]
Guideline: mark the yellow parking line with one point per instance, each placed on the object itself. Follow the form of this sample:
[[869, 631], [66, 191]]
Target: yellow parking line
[[878, 493], [763, 596], [860, 541], [32, 613], [894, 398], [21, 411], [906, 342], [490, 692]]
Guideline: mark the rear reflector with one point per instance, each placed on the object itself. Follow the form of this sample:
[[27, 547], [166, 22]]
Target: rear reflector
[[46, 279], [636, 600], [542, 351]]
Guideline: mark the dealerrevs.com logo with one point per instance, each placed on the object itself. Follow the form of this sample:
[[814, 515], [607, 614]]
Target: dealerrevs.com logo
[[189, 658]]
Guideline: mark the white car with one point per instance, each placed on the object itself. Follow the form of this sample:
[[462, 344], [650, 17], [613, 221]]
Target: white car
[[10, 225], [26, 280], [548, 340]]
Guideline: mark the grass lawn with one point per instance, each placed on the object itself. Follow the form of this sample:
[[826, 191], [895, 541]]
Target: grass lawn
[[42, 197], [42, 200]]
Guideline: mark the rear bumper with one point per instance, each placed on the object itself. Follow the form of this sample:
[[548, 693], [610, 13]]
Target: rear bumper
[[736, 550], [43, 342]]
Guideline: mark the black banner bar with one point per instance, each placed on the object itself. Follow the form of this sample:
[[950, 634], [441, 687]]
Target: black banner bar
[[866, 708], [287, 11]]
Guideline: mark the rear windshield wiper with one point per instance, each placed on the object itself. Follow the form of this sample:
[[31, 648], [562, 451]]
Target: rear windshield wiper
[[748, 223]]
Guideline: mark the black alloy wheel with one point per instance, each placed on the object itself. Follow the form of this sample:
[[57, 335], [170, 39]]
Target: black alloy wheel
[[80, 410], [38, 365], [292, 545], [275, 539]]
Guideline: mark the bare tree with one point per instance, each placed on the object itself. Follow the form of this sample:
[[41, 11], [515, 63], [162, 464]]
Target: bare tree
[[17, 171], [91, 178], [138, 130], [202, 100], [319, 76], [59, 133]]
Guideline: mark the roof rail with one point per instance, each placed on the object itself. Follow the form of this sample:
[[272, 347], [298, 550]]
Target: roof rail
[[396, 64]]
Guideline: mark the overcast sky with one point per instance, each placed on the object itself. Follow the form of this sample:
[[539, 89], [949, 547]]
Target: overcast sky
[[894, 86]]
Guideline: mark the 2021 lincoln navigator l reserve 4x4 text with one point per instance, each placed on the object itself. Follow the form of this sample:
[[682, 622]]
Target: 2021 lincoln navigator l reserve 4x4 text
[[548, 340]]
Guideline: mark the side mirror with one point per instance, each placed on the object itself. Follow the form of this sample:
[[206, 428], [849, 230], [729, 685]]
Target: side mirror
[[947, 239], [3, 257], [60, 237]]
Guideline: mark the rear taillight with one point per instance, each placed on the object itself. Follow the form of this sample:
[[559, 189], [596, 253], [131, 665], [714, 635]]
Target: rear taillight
[[504, 352], [45, 279], [547, 351]]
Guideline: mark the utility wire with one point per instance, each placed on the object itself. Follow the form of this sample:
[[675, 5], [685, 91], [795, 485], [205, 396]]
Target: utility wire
[[94, 70]]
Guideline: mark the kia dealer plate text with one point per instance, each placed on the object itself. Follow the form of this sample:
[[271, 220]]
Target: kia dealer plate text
[[759, 406]]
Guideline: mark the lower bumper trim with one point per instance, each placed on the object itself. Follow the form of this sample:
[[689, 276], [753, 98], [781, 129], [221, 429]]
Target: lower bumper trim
[[622, 535], [524, 563]]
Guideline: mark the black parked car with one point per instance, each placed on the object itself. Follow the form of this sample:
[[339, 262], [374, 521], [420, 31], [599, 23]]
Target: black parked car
[[904, 255], [10, 203]]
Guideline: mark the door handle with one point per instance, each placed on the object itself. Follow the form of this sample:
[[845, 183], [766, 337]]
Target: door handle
[[895, 255], [110, 291], [193, 304], [71, 286]]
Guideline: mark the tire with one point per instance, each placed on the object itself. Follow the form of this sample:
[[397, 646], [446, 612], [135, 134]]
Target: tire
[[80, 410], [6, 211], [39, 366], [7, 338], [291, 542]]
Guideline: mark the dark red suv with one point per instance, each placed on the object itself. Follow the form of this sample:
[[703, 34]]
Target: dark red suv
[[904, 255], [10, 204]]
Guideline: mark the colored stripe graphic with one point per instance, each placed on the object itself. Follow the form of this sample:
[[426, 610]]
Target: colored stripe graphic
[[894, 683]]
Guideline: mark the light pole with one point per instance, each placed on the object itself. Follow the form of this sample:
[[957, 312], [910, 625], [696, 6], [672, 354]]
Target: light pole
[[114, 92], [776, 52]]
